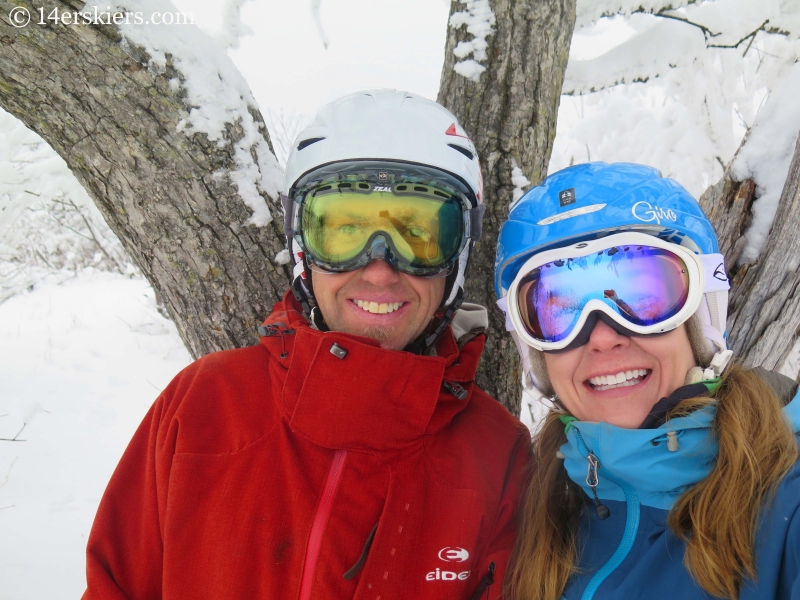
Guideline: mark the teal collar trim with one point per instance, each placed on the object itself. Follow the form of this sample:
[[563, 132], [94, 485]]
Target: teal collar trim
[[642, 457]]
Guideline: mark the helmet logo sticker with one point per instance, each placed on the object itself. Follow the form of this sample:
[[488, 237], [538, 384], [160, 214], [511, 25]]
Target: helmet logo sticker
[[644, 211], [453, 131], [566, 197], [719, 273]]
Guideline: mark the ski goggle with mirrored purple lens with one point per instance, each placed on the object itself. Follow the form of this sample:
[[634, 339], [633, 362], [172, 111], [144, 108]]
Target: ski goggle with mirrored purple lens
[[645, 285]]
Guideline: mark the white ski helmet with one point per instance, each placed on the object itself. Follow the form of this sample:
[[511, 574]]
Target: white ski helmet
[[392, 130]]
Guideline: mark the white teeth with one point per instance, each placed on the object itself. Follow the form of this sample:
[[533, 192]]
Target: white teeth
[[378, 309], [621, 379]]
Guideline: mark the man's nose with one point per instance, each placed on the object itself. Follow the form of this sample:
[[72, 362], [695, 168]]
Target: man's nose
[[380, 273], [604, 339]]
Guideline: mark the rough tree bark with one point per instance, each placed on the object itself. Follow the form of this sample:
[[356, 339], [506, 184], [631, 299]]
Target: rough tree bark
[[511, 115], [764, 315], [114, 122]]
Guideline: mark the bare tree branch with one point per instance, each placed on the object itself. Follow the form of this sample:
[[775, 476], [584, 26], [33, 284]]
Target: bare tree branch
[[15, 438]]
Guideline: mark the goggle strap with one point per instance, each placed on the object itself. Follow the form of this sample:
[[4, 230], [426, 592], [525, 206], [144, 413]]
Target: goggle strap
[[288, 216], [716, 278], [502, 304], [458, 284], [476, 221], [445, 320]]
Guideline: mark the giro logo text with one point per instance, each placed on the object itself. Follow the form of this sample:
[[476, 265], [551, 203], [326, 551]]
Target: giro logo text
[[644, 211], [453, 554]]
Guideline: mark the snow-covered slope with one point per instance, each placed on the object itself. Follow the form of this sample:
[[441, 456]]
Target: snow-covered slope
[[80, 364]]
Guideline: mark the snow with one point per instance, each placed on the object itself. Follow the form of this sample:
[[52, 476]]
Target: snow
[[480, 21], [283, 257], [766, 157], [589, 12], [689, 114], [315, 11], [80, 363], [233, 27], [651, 53], [217, 92], [518, 180], [49, 228]]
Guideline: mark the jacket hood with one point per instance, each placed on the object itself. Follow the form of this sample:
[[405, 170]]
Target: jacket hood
[[642, 458], [393, 397]]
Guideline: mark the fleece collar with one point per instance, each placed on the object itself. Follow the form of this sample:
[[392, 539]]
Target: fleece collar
[[641, 458], [345, 392]]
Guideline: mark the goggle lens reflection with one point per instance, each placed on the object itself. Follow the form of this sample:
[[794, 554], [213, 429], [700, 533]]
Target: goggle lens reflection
[[643, 284], [424, 231]]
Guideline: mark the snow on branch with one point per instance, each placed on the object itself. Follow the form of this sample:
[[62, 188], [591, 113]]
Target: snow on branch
[[765, 157], [590, 11], [480, 21], [519, 181], [668, 37], [217, 94], [233, 28], [315, 8], [647, 55]]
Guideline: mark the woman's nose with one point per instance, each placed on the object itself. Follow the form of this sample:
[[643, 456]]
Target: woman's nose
[[604, 338]]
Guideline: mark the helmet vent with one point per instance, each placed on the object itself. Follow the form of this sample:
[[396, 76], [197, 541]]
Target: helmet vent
[[463, 150], [308, 142]]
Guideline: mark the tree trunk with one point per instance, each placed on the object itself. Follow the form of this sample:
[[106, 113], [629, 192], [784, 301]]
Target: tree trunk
[[510, 112], [764, 313], [115, 123]]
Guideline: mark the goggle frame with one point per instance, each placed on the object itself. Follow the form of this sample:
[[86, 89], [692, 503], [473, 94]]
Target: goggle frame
[[385, 175], [693, 264]]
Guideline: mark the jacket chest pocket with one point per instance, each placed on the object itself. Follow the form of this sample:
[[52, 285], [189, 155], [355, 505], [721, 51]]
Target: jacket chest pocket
[[431, 548]]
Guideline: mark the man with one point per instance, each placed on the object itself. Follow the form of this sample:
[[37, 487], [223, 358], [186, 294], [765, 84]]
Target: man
[[350, 454]]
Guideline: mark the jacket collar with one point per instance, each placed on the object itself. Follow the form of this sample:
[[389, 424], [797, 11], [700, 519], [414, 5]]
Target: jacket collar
[[641, 458], [370, 398]]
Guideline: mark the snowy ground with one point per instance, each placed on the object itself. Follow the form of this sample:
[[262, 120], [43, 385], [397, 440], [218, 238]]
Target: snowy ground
[[80, 364]]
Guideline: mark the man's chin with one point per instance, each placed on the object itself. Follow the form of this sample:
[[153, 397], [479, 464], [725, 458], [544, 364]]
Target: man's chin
[[384, 336]]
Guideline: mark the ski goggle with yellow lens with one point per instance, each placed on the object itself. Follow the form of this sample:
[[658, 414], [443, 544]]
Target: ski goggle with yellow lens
[[637, 283], [417, 227]]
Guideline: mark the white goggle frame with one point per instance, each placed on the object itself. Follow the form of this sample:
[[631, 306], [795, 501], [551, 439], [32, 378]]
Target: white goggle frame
[[693, 264]]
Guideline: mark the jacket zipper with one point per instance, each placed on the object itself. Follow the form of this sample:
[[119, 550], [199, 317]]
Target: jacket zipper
[[631, 523], [485, 583], [319, 523]]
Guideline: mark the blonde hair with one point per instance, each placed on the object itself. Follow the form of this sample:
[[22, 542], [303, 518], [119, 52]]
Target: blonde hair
[[716, 518]]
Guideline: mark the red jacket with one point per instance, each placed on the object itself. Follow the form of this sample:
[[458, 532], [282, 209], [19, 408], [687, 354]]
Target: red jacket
[[273, 471]]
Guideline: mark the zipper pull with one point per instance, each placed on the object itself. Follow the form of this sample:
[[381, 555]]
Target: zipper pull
[[672, 441], [592, 481]]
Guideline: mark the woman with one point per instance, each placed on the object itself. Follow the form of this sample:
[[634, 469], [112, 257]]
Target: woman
[[661, 470]]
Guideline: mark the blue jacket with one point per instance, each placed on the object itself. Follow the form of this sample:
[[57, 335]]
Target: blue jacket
[[633, 554]]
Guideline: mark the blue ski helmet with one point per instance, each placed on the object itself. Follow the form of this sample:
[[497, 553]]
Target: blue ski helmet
[[593, 200]]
